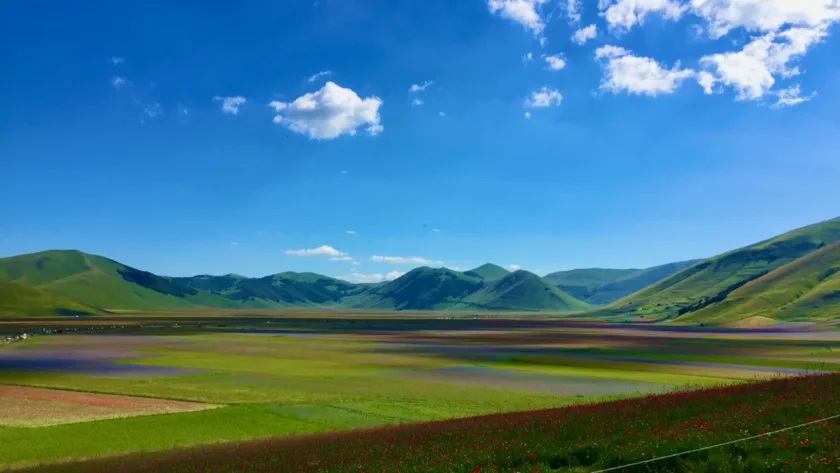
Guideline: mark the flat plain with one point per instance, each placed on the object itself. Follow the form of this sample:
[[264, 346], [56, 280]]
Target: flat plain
[[270, 376]]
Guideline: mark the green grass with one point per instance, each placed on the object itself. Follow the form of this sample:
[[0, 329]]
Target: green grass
[[19, 299], [712, 280], [522, 290]]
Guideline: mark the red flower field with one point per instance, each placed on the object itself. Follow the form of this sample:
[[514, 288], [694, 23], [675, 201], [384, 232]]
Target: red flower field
[[582, 438]]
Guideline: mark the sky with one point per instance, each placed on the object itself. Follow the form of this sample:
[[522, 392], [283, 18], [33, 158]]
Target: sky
[[362, 138]]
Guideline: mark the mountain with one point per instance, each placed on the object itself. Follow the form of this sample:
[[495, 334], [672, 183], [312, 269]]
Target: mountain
[[101, 283], [599, 286], [278, 290], [487, 272], [18, 299], [712, 280], [419, 289], [522, 290], [806, 288]]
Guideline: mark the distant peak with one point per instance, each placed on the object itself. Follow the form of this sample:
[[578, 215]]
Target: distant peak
[[488, 271]]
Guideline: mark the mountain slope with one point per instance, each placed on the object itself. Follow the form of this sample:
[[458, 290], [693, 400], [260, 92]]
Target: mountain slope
[[18, 299], [806, 288], [487, 272], [522, 290], [711, 280], [102, 283], [599, 286], [419, 289]]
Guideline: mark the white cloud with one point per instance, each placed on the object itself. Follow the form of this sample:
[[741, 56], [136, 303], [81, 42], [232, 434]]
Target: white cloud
[[555, 62], [528, 115], [117, 60], [544, 97], [350, 232], [152, 109], [751, 71], [371, 278], [231, 104], [621, 15], [420, 88], [402, 260], [764, 15], [318, 75], [573, 10], [118, 82], [528, 57], [443, 114], [791, 96], [624, 72], [341, 258], [416, 102], [329, 113], [356, 263], [583, 35], [322, 250], [514, 267], [524, 12]]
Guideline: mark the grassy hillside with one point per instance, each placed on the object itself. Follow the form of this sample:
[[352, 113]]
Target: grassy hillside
[[487, 272], [419, 289], [600, 286], [522, 290], [711, 280], [806, 288], [102, 283], [18, 299]]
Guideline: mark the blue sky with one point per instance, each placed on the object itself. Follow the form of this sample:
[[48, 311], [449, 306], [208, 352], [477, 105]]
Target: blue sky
[[187, 137]]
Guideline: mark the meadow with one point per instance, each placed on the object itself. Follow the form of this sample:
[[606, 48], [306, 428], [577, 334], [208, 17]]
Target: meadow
[[252, 377]]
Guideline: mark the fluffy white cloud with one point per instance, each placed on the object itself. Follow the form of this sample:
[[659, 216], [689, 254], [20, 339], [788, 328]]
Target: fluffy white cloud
[[318, 75], [555, 62], [416, 102], [117, 60], [752, 70], [371, 278], [764, 15], [528, 57], [583, 35], [231, 104], [329, 113], [524, 12], [544, 97], [573, 10], [624, 72], [420, 87], [118, 82], [791, 96], [403, 260], [341, 258], [322, 250], [622, 15], [514, 267]]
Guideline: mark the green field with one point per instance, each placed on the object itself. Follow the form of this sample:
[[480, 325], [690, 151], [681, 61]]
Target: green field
[[285, 376]]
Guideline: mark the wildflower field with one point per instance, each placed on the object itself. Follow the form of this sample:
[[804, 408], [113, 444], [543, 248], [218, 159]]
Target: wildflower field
[[582, 438]]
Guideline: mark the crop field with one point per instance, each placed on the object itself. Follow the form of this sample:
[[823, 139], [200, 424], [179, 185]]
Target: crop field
[[287, 376]]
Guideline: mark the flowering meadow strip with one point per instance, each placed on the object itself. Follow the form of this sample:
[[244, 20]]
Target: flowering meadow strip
[[581, 438]]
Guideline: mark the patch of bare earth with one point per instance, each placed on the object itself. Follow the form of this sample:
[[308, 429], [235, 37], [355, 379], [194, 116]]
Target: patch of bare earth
[[38, 407]]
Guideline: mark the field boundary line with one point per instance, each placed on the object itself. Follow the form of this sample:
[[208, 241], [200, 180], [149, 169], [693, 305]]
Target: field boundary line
[[766, 434]]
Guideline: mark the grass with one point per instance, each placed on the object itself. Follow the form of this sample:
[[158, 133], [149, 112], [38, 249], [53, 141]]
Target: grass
[[574, 439], [350, 373]]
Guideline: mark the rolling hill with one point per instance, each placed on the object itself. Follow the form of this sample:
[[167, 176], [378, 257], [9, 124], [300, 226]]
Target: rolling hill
[[101, 283], [599, 286], [712, 280], [521, 290], [488, 272], [419, 289], [806, 288], [18, 299]]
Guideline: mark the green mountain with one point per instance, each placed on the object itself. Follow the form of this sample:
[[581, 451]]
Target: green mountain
[[521, 290], [599, 286], [419, 289], [712, 280], [18, 299], [808, 288], [487, 272], [101, 283]]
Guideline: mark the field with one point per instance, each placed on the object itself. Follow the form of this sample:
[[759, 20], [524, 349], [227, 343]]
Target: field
[[283, 376]]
